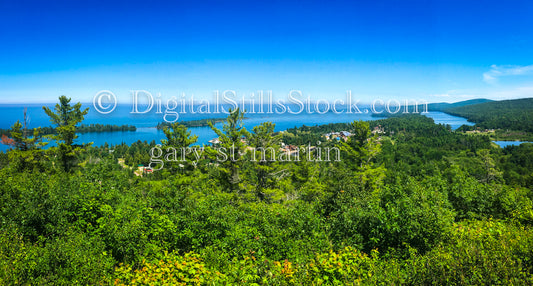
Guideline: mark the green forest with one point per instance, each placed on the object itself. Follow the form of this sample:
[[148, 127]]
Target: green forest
[[83, 128], [192, 123], [515, 115], [409, 202], [505, 120]]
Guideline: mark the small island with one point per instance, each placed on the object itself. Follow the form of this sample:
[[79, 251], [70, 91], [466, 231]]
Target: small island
[[83, 128], [192, 123]]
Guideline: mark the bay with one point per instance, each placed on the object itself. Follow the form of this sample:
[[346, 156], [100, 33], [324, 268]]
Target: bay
[[146, 123], [504, 144]]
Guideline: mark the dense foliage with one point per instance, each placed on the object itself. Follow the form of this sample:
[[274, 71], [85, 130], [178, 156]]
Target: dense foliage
[[83, 128], [506, 114], [443, 106], [192, 123], [410, 203]]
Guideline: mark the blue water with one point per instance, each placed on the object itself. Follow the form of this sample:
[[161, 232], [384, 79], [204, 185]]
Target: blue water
[[444, 118], [146, 123], [504, 144]]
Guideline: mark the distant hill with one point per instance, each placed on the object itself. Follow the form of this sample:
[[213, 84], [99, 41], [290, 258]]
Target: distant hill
[[440, 106], [516, 114], [444, 105]]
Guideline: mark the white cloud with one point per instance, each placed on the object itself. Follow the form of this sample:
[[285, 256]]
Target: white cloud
[[496, 72], [514, 93]]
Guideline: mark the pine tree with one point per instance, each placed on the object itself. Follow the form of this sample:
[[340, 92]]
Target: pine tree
[[28, 152], [266, 145], [179, 140], [230, 152], [66, 117], [359, 152]]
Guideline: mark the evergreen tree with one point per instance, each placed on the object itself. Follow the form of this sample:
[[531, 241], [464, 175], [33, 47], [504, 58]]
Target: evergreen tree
[[178, 143], [230, 152], [357, 165], [66, 117], [266, 145], [21, 135], [489, 166], [27, 153]]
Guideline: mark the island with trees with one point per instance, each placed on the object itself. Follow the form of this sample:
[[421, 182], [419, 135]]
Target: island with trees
[[192, 123], [83, 128]]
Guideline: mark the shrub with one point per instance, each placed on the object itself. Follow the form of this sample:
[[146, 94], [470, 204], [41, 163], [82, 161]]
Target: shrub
[[171, 269]]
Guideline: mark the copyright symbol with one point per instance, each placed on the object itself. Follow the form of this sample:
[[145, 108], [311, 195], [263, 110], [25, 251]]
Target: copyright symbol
[[109, 104]]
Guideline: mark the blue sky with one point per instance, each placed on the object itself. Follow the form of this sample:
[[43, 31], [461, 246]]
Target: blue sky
[[433, 50]]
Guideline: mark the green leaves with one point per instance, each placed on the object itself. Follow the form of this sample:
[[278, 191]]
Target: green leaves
[[394, 217], [66, 117], [229, 154], [263, 160], [179, 140], [27, 154], [178, 136], [426, 219]]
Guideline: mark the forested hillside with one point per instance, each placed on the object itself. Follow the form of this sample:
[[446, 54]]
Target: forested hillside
[[516, 114], [80, 129], [406, 202], [442, 106]]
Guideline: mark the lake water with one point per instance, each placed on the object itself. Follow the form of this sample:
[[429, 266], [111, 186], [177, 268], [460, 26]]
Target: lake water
[[146, 123], [504, 144], [444, 118]]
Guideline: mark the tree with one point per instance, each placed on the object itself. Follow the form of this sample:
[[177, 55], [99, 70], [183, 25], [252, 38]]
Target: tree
[[357, 175], [27, 153], [230, 153], [66, 117], [266, 146], [20, 138], [361, 148], [179, 140], [491, 172]]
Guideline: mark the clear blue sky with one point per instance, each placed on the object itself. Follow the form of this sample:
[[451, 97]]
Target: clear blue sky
[[434, 50]]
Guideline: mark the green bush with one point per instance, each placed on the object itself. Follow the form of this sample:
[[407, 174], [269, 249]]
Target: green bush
[[415, 213], [170, 269], [72, 259], [480, 253]]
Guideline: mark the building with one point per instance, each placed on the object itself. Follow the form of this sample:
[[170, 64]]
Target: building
[[338, 135]]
